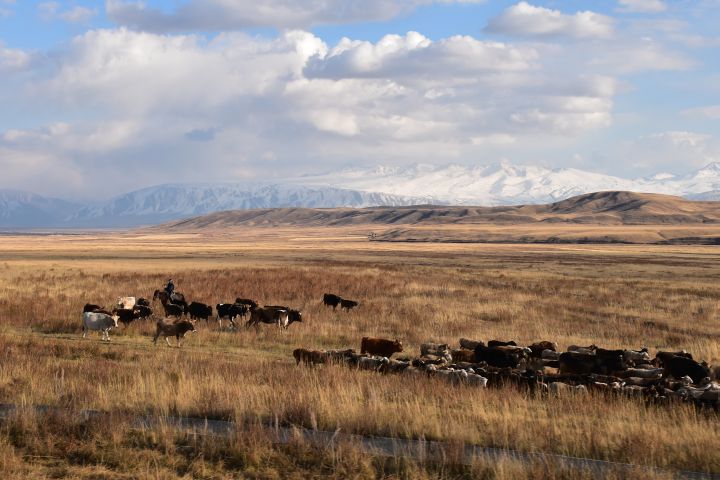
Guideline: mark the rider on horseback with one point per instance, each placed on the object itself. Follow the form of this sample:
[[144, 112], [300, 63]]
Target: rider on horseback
[[170, 288]]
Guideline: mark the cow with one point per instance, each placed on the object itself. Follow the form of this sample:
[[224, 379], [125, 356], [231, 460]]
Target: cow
[[125, 302], [470, 344], [143, 311], [91, 307], [463, 355], [99, 321], [677, 367], [498, 356], [143, 302], [584, 363], [126, 315], [230, 311], [380, 346], [275, 316], [348, 305], [172, 310], [177, 330], [331, 300], [538, 347], [500, 343], [309, 357], [246, 301], [199, 311]]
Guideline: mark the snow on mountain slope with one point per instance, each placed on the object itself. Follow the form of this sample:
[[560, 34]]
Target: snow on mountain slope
[[165, 202], [498, 184], [26, 210]]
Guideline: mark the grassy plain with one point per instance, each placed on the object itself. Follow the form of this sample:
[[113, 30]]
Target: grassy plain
[[663, 297]]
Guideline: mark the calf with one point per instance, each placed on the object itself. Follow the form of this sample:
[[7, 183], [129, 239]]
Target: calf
[[380, 346], [348, 305], [126, 316], [143, 311], [199, 311], [177, 330], [331, 300], [100, 322], [142, 302]]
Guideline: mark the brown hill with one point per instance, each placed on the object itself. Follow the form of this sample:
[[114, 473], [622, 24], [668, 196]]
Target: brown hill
[[601, 208]]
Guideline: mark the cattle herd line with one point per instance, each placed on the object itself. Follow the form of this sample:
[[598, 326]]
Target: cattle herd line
[[666, 378], [128, 309]]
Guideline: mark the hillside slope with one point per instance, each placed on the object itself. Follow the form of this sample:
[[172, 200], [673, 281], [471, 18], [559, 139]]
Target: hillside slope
[[603, 208]]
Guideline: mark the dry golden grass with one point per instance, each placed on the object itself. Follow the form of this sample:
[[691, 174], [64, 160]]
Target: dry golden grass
[[662, 297]]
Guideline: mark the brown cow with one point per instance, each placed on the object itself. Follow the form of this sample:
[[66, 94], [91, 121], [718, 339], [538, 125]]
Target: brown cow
[[309, 357], [177, 330], [380, 346]]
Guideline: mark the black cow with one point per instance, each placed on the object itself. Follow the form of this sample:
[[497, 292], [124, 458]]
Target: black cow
[[231, 311], [677, 367], [172, 310], [246, 301], [199, 311], [497, 356], [583, 363], [348, 305], [91, 307], [143, 311], [126, 315], [143, 302], [331, 300], [500, 343]]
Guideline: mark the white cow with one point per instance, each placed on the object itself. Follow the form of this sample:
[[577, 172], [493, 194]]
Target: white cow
[[126, 302], [99, 321]]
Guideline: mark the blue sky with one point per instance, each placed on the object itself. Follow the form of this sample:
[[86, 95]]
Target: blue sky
[[103, 97]]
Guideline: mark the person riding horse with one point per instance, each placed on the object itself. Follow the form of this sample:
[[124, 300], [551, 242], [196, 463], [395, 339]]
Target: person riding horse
[[170, 288]]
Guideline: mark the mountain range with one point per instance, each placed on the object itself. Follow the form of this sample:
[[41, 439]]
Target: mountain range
[[492, 185]]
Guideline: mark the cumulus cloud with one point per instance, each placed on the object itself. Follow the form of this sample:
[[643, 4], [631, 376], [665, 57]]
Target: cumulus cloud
[[246, 105], [13, 59], [652, 6], [524, 19]]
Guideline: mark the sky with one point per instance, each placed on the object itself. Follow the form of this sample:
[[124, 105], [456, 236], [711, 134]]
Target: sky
[[100, 98]]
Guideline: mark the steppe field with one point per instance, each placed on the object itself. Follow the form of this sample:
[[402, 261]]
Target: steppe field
[[662, 297]]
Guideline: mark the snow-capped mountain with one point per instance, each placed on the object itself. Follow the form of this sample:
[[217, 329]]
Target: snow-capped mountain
[[167, 202], [26, 210], [505, 184], [498, 184]]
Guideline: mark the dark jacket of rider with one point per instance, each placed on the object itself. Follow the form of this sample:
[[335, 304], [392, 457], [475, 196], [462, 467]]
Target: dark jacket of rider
[[170, 287]]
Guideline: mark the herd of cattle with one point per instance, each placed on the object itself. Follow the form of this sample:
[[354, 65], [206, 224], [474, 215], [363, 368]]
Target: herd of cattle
[[666, 377], [128, 309]]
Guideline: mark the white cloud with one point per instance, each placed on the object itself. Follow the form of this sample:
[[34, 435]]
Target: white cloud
[[50, 11], [13, 59], [651, 6], [126, 101], [524, 19]]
